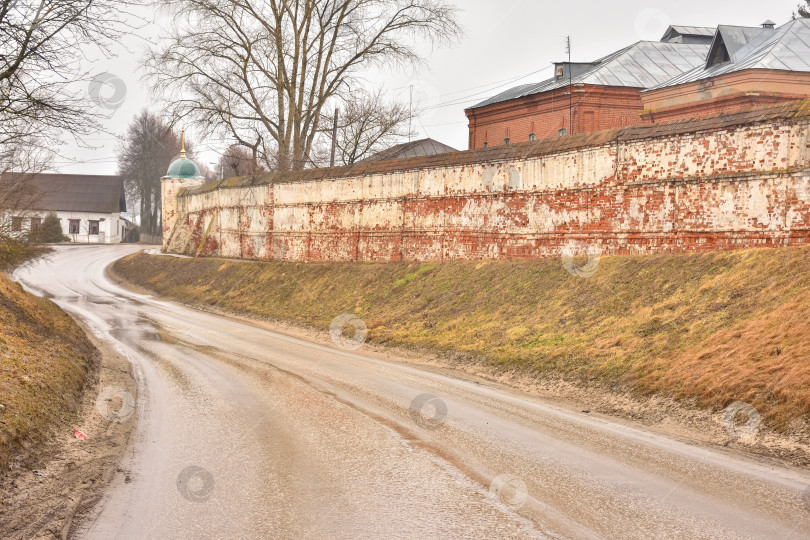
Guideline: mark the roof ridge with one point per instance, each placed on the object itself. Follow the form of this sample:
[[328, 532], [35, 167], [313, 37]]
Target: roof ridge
[[618, 53], [739, 26]]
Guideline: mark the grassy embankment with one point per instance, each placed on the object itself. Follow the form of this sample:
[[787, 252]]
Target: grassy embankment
[[714, 328], [45, 359]]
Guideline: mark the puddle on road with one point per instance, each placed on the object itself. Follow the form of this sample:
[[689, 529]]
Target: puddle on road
[[80, 299], [142, 329]]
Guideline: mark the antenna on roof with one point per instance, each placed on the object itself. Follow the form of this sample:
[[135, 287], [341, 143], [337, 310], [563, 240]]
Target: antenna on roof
[[570, 87]]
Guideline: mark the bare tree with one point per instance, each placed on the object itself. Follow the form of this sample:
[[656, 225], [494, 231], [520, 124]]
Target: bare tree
[[147, 150], [262, 73], [238, 160], [41, 46], [369, 125], [44, 94], [17, 199]]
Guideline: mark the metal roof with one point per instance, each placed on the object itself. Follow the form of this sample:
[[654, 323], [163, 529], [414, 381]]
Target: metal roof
[[77, 193], [784, 48], [692, 30], [420, 148], [642, 65], [735, 38]]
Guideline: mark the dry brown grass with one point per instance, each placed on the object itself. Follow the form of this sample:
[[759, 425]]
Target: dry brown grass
[[714, 328], [45, 359]]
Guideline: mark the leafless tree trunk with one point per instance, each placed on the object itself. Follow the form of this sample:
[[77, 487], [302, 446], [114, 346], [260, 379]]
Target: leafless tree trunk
[[263, 73]]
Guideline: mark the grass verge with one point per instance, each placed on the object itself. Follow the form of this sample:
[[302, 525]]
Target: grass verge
[[710, 328], [45, 361]]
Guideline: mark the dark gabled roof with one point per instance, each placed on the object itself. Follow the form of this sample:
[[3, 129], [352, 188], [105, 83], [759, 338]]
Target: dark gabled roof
[[785, 48], [77, 193], [641, 65], [422, 147]]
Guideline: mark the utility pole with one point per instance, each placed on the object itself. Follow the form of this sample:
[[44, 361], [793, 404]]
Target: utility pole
[[334, 139], [410, 115], [570, 89]]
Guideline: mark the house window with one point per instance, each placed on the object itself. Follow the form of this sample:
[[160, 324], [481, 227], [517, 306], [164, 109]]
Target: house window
[[562, 132], [74, 225], [506, 141], [532, 136], [16, 224], [35, 223], [93, 226]]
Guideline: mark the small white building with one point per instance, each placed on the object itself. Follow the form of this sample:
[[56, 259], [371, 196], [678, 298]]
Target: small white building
[[88, 206]]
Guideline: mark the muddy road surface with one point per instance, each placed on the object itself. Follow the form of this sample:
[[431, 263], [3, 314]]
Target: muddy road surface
[[242, 432]]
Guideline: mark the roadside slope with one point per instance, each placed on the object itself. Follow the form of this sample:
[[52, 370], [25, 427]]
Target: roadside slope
[[45, 362], [709, 328]]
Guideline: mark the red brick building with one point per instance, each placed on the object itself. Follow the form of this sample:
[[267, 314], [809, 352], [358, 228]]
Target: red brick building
[[583, 97], [745, 67]]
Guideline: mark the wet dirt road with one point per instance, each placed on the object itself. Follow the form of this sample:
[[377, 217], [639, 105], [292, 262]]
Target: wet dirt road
[[246, 433]]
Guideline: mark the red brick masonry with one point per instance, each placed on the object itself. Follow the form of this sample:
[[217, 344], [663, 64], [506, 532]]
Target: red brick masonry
[[594, 108]]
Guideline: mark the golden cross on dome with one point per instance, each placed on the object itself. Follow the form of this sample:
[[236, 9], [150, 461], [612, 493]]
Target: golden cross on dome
[[183, 144]]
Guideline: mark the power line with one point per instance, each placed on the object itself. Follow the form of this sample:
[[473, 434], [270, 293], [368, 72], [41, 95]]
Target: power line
[[448, 123], [465, 99], [494, 84]]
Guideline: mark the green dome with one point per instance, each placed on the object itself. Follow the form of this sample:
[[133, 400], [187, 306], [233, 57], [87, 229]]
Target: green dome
[[183, 168]]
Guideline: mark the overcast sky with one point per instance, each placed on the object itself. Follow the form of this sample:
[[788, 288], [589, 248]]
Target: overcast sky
[[507, 42]]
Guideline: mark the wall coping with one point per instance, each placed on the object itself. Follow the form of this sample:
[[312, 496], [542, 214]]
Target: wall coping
[[797, 109]]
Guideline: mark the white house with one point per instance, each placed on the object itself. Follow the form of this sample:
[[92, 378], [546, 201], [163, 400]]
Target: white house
[[89, 207]]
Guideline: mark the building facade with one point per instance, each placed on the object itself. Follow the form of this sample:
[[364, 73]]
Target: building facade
[[745, 67], [88, 206], [587, 96]]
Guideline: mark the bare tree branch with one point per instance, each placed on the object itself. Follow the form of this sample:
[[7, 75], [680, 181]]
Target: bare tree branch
[[263, 73], [369, 125]]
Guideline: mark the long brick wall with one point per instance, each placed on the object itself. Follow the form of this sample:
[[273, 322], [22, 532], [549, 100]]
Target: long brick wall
[[722, 183]]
